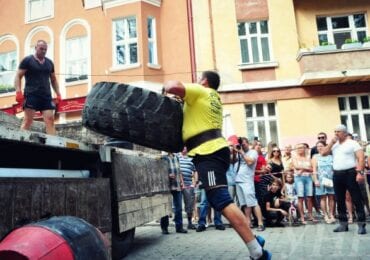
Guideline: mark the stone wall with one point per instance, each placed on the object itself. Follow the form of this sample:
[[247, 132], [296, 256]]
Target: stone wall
[[13, 122], [76, 131]]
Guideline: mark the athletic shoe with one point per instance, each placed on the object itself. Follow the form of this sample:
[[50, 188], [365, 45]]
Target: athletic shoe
[[181, 230], [260, 241], [331, 220], [361, 229], [191, 226], [165, 231], [261, 228], [343, 227], [201, 228], [220, 227], [266, 255]]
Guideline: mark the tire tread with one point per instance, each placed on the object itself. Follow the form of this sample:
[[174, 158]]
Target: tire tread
[[134, 114]]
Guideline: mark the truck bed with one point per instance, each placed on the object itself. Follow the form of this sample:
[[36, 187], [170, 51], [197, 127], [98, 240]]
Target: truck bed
[[28, 199], [27, 149], [124, 188]]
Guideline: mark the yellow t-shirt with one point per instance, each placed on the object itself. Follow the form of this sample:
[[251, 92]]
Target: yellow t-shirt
[[202, 112]]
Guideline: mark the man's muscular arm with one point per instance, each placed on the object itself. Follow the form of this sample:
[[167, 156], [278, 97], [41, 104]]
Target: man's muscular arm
[[18, 79], [174, 87], [247, 159], [54, 83]]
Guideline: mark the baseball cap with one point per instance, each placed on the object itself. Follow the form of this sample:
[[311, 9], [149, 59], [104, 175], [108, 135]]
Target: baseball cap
[[341, 128]]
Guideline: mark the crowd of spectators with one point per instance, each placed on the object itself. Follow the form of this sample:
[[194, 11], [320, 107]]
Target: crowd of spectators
[[277, 187]]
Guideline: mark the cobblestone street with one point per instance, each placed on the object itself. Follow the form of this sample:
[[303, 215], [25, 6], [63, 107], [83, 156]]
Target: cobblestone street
[[313, 241]]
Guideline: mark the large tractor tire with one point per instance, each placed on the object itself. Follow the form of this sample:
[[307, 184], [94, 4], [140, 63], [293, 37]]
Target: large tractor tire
[[134, 114]]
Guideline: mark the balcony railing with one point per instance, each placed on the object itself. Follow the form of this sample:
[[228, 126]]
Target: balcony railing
[[334, 66]]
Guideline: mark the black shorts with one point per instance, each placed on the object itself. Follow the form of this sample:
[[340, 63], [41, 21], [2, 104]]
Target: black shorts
[[38, 103], [212, 168]]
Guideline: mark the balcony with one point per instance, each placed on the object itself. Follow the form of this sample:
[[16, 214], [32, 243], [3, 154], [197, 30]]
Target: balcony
[[113, 3], [335, 66]]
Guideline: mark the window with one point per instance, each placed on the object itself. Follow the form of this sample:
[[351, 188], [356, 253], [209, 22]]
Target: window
[[152, 41], [125, 42], [8, 67], [39, 9], [76, 59], [355, 114], [337, 29], [254, 42], [261, 122]]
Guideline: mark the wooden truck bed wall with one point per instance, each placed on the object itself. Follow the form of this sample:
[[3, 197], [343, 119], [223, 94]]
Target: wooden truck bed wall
[[103, 185]]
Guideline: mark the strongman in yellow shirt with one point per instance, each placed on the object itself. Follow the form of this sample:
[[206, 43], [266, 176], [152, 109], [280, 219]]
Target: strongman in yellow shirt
[[202, 136]]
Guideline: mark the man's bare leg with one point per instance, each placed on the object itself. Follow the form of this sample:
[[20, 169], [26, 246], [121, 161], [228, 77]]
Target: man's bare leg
[[238, 221], [48, 116], [27, 119]]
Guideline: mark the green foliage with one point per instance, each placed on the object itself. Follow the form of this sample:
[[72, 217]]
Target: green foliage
[[350, 41], [6, 88], [366, 39], [326, 43]]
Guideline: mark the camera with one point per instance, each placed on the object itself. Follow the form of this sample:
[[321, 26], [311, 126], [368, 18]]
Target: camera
[[239, 145]]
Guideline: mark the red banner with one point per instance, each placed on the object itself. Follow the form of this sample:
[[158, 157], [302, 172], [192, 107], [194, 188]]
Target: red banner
[[71, 105], [65, 106]]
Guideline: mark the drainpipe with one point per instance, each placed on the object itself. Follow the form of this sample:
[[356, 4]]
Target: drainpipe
[[212, 35], [193, 64]]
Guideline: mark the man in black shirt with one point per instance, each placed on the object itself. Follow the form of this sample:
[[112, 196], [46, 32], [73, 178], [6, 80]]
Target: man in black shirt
[[39, 72], [320, 137], [276, 206]]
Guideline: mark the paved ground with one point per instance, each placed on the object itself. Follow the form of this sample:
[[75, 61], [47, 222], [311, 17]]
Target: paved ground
[[313, 241]]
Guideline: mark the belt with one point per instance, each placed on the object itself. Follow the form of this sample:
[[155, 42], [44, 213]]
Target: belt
[[203, 137], [350, 170]]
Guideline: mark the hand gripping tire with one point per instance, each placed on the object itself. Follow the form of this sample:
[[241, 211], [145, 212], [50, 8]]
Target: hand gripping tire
[[134, 114]]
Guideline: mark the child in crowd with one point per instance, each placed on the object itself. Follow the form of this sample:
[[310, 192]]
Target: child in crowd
[[276, 206], [289, 190], [291, 195]]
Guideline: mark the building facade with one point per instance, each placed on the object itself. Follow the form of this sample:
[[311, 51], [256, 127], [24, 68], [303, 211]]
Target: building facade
[[285, 72], [289, 68], [140, 42]]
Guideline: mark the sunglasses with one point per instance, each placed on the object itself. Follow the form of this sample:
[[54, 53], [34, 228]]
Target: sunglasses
[[321, 137], [276, 151]]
